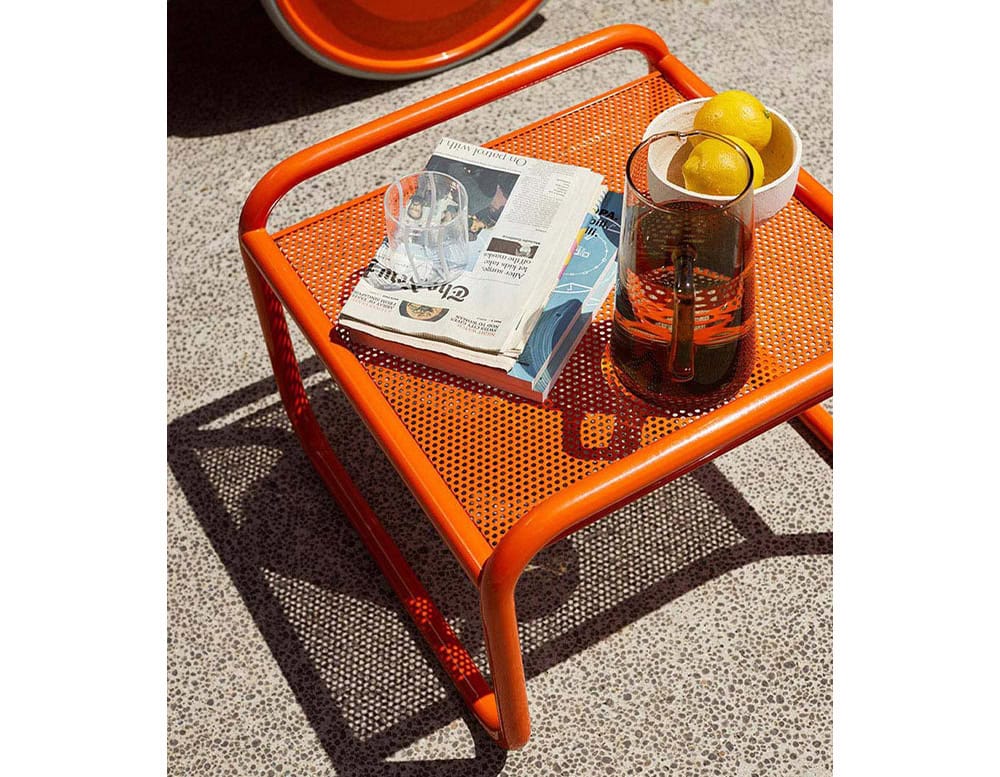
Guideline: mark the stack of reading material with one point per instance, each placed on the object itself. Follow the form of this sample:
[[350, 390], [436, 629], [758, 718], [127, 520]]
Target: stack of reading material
[[543, 238]]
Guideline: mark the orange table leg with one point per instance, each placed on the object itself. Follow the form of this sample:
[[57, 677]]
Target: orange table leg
[[452, 655], [820, 423], [503, 646]]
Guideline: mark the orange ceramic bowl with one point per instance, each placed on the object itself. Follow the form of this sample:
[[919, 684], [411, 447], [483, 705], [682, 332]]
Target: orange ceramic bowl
[[389, 39]]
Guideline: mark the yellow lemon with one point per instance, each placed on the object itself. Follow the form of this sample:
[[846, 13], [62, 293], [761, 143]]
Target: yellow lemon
[[736, 113], [715, 167]]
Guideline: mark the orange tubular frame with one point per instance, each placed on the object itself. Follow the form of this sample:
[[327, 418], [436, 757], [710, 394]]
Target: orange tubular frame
[[495, 571]]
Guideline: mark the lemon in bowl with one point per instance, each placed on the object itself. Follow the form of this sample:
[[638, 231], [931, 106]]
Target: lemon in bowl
[[737, 114], [715, 167]]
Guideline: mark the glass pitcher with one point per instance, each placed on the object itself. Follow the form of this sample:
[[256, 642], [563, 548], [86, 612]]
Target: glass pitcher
[[684, 330]]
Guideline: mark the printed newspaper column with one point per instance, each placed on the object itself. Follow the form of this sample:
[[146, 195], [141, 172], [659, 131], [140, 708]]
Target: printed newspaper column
[[524, 216]]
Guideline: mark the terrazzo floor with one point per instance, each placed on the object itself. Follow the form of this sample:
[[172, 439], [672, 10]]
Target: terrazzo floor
[[706, 649]]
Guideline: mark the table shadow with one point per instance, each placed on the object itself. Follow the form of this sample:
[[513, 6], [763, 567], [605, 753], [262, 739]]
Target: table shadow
[[230, 69], [363, 676]]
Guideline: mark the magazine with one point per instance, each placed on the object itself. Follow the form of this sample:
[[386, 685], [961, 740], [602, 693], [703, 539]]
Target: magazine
[[582, 289], [524, 218], [585, 282]]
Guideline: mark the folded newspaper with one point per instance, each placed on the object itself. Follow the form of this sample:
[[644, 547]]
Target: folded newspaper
[[583, 287], [525, 219]]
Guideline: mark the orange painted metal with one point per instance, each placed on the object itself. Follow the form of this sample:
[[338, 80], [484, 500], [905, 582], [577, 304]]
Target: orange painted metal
[[820, 422], [617, 484], [522, 452], [526, 474], [402, 450], [434, 110], [452, 655]]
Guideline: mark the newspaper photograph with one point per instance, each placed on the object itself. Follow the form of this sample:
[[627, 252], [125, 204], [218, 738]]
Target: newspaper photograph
[[524, 217]]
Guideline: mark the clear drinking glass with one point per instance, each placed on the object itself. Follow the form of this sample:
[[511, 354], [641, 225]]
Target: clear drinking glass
[[426, 219], [684, 331]]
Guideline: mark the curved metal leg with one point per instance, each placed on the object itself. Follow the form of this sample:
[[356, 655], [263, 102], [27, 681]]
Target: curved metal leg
[[503, 646], [451, 654], [820, 423]]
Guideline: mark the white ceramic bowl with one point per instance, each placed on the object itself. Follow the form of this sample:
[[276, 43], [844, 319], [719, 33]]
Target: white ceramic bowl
[[782, 157]]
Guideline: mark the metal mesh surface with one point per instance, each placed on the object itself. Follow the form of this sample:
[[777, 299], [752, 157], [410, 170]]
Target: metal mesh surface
[[500, 454]]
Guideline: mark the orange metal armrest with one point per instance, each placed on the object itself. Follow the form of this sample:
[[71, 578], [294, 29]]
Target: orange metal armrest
[[686, 449], [434, 110], [617, 484]]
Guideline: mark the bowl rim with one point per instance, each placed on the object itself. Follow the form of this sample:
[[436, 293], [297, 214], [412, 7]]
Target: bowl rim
[[783, 178]]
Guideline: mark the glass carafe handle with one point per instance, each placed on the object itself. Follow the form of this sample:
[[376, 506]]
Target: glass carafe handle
[[682, 337]]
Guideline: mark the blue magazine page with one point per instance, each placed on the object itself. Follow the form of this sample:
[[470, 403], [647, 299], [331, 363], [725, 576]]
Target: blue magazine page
[[582, 288]]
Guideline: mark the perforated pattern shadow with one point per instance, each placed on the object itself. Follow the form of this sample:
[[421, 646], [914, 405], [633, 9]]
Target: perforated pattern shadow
[[501, 455]]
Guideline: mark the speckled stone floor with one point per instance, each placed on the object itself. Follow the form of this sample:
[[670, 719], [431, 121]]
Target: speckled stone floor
[[704, 650]]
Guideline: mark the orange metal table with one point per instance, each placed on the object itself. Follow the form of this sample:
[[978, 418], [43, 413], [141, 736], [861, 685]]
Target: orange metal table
[[501, 477]]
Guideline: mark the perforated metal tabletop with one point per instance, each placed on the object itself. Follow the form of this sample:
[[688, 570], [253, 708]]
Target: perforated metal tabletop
[[499, 454]]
